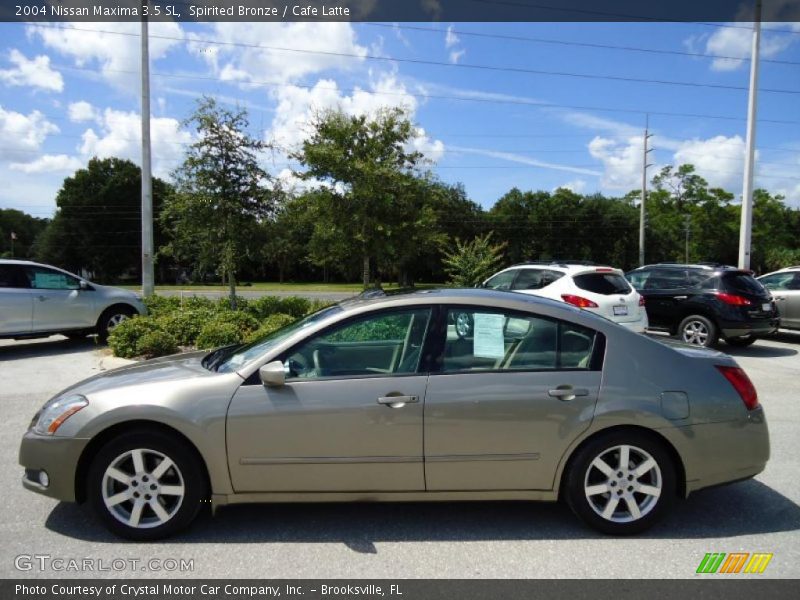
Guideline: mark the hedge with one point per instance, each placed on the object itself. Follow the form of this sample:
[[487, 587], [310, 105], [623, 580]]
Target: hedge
[[175, 323]]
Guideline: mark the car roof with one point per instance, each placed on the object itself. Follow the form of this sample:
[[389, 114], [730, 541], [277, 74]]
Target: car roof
[[14, 261], [568, 268], [706, 266]]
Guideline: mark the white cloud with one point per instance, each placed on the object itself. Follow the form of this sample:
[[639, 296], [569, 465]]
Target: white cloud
[[450, 38], [82, 111], [35, 73], [622, 161], [48, 163], [326, 43], [718, 160], [456, 55], [118, 56], [296, 107], [22, 135], [120, 135], [737, 42], [576, 185], [525, 160]]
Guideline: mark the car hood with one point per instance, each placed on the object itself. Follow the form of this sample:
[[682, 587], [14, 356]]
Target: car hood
[[166, 369]]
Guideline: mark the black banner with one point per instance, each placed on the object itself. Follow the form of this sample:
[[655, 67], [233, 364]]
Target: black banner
[[399, 10], [733, 588]]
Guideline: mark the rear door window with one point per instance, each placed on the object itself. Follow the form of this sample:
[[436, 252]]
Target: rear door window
[[667, 279], [11, 276], [530, 279], [605, 284]]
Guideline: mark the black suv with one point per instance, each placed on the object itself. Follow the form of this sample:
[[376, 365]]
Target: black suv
[[703, 302]]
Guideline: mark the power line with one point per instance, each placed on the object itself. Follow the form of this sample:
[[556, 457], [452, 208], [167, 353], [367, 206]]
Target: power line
[[419, 61]]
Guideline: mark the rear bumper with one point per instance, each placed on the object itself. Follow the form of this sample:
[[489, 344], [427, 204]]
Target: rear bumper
[[636, 326], [739, 328]]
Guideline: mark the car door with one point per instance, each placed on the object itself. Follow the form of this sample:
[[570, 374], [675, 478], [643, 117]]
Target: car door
[[16, 301], [507, 399], [59, 303], [349, 417], [665, 290], [785, 288]]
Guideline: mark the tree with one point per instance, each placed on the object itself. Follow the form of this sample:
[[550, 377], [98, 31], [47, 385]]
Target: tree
[[366, 164], [97, 225], [469, 263], [222, 193], [18, 231]]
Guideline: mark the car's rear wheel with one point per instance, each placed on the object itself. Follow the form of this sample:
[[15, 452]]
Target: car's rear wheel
[[698, 330], [741, 342], [621, 483], [112, 317], [145, 486]]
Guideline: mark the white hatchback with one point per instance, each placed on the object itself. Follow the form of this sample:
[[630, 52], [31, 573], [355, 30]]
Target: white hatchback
[[599, 289]]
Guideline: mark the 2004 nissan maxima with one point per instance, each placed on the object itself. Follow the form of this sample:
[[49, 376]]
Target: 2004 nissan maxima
[[386, 399]]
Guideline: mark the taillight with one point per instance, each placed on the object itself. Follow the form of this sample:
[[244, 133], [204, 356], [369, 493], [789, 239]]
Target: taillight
[[641, 300], [578, 301], [741, 382], [733, 299]]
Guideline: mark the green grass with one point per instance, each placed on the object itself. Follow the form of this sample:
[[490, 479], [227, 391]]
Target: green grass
[[355, 288]]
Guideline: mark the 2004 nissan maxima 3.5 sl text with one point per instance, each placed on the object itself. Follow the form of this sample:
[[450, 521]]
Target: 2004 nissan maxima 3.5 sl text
[[385, 399]]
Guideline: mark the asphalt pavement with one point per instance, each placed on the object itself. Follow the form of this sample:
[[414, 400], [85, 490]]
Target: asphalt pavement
[[453, 540]]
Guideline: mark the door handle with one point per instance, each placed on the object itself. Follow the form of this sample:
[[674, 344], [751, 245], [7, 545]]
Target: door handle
[[780, 298], [567, 392], [397, 401], [42, 298], [681, 297]]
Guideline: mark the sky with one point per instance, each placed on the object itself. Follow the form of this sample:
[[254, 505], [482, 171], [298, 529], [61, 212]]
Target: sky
[[535, 106]]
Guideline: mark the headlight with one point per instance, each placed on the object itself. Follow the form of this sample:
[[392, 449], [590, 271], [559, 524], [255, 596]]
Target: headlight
[[55, 412]]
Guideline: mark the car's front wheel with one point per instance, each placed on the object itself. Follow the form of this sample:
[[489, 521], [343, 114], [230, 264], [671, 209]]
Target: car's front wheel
[[622, 483], [145, 486], [112, 317]]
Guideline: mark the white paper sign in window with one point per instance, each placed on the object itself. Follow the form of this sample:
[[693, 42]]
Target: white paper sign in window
[[488, 337]]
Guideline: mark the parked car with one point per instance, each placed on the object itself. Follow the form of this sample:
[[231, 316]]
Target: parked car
[[701, 303], [785, 288], [599, 289], [39, 300], [381, 399]]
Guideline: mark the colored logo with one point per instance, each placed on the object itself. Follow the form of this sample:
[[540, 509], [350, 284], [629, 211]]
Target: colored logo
[[735, 562]]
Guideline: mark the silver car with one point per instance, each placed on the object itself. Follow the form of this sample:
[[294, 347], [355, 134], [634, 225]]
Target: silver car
[[785, 288], [39, 300], [386, 399]]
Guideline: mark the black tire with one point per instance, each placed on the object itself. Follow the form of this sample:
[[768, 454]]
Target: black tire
[[111, 317], [185, 471], [582, 475], [698, 330], [741, 342]]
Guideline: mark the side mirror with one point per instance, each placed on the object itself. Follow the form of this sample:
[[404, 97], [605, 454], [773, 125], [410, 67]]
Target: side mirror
[[83, 285], [273, 374]]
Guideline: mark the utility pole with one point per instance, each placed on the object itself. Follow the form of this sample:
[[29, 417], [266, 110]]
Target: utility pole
[[745, 228], [642, 215], [688, 229], [147, 181]]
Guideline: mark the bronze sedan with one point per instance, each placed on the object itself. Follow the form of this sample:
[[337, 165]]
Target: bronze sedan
[[434, 395]]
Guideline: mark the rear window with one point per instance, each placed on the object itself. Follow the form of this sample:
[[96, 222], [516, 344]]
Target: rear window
[[603, 283], [743, 282]]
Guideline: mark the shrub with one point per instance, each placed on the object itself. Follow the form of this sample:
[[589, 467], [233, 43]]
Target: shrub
[[185, 325], [245, 323], [124, 338], [294, 305], [216, 334], [315, 305], [156, 343], [194, 302], [161, 305], [270, 324], [263, 307], [224, 303]]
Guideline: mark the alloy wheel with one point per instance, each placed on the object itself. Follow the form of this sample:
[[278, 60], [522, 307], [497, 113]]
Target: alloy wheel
[[695, 332], [143, 488], [623, 484]]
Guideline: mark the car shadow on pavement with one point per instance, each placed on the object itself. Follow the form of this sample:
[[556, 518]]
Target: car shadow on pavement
[[757, 351], [52, 346], [746, 508]]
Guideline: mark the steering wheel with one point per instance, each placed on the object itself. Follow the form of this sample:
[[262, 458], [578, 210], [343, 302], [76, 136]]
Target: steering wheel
[[298, 365]]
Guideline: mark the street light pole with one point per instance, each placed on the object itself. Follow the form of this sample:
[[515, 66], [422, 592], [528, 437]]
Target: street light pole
[[147, 182], [642, 212], [745, 228]]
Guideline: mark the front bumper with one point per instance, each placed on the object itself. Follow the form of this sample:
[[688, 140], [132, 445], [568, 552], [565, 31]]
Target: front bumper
[[58, 457]]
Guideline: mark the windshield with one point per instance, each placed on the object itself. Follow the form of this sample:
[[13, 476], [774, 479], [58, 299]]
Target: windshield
[[237, 356]]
